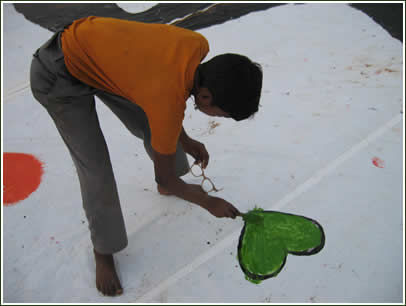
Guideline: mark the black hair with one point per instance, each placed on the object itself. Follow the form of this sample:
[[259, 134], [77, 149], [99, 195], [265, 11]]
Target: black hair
[[234, 82]]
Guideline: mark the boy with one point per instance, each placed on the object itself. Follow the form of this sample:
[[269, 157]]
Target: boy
[[144, 73]]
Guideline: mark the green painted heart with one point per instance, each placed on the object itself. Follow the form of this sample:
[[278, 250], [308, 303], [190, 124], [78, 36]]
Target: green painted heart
[[269, 236]]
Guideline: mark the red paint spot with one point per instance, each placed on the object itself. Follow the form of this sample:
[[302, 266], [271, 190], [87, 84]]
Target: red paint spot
[[21, 176], [378, 162]]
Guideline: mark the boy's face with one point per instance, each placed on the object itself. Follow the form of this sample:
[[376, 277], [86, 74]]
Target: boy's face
[[204, 101]]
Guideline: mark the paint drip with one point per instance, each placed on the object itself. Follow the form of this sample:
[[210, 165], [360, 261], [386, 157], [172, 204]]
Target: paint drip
[[269, 236], [378, 162]]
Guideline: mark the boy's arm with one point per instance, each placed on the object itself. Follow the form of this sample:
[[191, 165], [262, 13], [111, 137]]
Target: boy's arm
[[183, 137], [164, 166]]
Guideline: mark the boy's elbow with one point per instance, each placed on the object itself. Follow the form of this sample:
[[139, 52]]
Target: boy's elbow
[[161, 181], [164, 166]]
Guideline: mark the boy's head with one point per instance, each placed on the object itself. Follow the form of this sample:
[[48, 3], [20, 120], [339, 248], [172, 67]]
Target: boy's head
[[229, 85]]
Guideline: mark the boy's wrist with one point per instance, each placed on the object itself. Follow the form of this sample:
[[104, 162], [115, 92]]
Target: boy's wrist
[[191, 193], [205, 201], [195, 194]]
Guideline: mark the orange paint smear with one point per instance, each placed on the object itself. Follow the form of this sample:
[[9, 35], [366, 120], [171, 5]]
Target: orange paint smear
[[22, 175]]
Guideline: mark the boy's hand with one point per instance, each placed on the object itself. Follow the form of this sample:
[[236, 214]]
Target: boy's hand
[[197, 150], [221, 208]]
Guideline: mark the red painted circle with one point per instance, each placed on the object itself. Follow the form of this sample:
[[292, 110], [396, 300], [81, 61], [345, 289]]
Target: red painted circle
[[21, 176]]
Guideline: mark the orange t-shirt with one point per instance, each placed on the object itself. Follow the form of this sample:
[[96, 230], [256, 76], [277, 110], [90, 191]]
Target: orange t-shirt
[[152, 65]]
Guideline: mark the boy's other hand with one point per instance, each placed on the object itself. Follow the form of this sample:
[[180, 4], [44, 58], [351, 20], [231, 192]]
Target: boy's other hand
[[221, 208], [197, 150]]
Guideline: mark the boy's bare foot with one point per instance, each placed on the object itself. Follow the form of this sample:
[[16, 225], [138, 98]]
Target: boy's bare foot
[[107, 281], [163, 191]]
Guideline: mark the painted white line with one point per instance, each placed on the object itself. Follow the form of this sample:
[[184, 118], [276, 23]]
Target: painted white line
[[178, 20], [212, 252], [15, 91], [311, 182], [322, 173]]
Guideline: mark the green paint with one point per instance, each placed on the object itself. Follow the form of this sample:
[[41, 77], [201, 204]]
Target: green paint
[[252, 217], [269, 236], [254, 281]]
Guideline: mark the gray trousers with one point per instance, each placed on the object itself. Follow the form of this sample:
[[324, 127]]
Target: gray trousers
[[71, 105]]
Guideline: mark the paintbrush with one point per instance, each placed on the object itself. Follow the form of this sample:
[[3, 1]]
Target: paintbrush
[[252, 217]]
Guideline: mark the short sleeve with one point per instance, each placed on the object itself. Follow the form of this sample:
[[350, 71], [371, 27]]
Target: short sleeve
[[166, 126]]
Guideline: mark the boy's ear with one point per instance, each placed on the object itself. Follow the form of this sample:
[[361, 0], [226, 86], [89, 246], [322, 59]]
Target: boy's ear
[[205, 96]]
